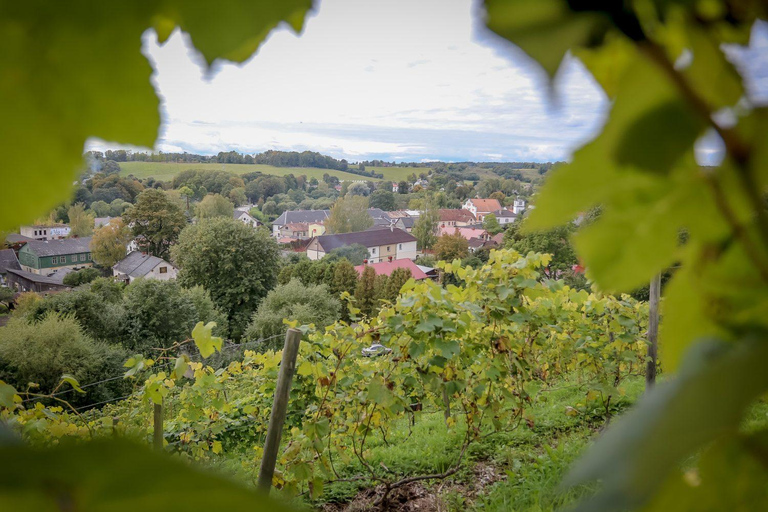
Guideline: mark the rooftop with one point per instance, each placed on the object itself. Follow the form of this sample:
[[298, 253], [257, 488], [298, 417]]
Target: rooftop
[[301, 216], [450, 215], [36, 278], [57, 247], [138, 264], [387, 267], [8, 260], [370, 238], [486, 205]]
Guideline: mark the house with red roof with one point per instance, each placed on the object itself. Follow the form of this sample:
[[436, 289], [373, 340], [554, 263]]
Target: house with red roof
[[481, 207], [387, 267]]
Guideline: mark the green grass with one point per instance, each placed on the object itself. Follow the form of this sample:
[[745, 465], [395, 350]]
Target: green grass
[[166, 171]]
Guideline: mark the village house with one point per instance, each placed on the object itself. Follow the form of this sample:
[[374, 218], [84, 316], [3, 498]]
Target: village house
[[481, 207], [246, 218], [40, 232], [518, 206], [138, 264], [49, 256], [23, 281], [8, 261], [280, 225], [387, 267], [505, 216], [456, 218], [383, 244]]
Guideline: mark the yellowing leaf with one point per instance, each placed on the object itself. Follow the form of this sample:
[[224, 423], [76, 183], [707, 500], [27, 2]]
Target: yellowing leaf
[[206, 343]]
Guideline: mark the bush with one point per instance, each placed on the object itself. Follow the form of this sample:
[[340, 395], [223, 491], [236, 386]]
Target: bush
[[98, 319], [42, 352], [307, 304], [80, 277]]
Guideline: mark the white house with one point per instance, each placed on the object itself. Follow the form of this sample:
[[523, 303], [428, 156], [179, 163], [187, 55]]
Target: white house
[[505, 216], [246, 218], [518, 206], [383, 244], [138, 264], [481, 207]]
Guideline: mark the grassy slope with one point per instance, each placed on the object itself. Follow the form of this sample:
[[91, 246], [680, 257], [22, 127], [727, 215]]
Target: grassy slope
[[166, 171]]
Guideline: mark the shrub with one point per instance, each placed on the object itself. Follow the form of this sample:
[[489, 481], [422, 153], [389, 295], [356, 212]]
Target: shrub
[[80, 277]]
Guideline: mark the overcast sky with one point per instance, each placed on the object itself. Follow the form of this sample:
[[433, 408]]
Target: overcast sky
[[404, 80]]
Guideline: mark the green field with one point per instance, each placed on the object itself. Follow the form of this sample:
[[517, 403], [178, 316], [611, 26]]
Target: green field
[[166, 171]]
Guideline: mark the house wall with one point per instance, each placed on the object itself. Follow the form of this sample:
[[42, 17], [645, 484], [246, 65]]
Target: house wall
[[45, 232], [21, 284], [314, 251], [46, 264]]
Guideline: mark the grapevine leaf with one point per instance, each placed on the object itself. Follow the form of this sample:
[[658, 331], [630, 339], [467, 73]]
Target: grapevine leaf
[[73, 477], [72, 381], [7, 394], [206, 343], [378, 392], [74, 71], [714, 386], [545, 29]]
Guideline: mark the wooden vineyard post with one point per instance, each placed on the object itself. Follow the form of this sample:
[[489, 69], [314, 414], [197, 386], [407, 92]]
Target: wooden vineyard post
[[279, 409], [157, 438], [653, 331]]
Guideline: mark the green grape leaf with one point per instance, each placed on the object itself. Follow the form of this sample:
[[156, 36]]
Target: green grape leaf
[[72, 477], [75, 70], [378, 392], [72, 381], [7, 395], [206, 343], [545, 29], [716, 383]]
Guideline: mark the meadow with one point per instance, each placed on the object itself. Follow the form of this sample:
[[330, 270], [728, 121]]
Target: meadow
[[166, 171]]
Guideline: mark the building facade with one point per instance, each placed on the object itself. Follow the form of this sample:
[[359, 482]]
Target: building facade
[[146, 266], [49, 256], [39, 232], [383, 244]]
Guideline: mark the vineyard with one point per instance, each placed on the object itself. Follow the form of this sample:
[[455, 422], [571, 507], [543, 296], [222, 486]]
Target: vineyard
[[472, 361]]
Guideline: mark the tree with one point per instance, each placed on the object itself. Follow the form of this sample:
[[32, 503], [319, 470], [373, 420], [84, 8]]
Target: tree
[[235, 263], [155, 222], [81, 277], [80, 221], [365, 292], [108, 245], [491, 224], [214, 205], [354, 253], [186, 193], [402, 187], [396, 280], [358, 189], [383, 199], [348, 215], [6, 296], [110, 167], [306, 304], [451, 247], [344, 278], [425, 227], [159, 313], [554, 241], [237, 196]]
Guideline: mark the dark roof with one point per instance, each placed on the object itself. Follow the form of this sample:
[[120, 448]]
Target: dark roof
[[58, 247], [378, 213], [8, 260], [504, 213], [447, 215], [372, 237], [301, 216], [36, 278], [15, 238], [138, 264], [407, 221]]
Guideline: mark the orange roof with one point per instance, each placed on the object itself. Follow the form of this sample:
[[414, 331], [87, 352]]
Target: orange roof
[[386, 268], [486, 205], [467, 233], [456, 215]]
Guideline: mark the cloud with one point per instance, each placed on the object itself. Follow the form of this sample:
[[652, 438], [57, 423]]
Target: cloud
[[398, 80]]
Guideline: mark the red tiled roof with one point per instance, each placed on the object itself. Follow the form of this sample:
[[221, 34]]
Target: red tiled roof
[[486, 205], [386, 268], [467, 233], [456, 215]]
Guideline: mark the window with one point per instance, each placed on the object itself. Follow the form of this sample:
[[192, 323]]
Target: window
[[54, 260], [400, 247], [389, 248], [373, 251], [89, 256], [74, 258], [163, 270], [82, 257]]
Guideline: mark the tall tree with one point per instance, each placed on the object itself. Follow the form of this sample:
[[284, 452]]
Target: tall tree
[[491, 224], [238, 265], [349, 214], [214, 205], [80, 220], [108, 245], [344, 278], [451, 247], [156, 222], [556, 241], [365, 292], [424, 229], [396, 280], [383, 199]]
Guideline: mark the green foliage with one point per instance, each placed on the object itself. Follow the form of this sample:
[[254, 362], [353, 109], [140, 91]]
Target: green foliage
[[214, 205], [42, 352], [156, 222], [354, 253], [555, 241], [294, 301], [396, 280], [159, 314], [349, 214], [451, 247], [108, 245], [80, 277], [491, 224], [80, 220], [383, 199], [424, 229], [236, 264], [366, 293]]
